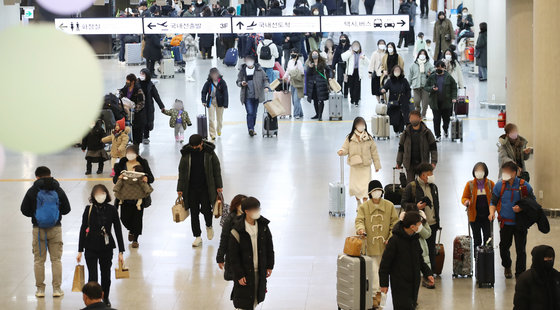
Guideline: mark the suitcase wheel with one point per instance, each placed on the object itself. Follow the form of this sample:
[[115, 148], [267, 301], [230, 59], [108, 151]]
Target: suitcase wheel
[[454, 276]]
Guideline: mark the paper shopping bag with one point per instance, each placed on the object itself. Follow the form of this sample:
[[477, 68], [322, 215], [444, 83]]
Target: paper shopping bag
[[79, 279], [121, 272], [274, 84], [274, 108], [178, 210], [219, 206]]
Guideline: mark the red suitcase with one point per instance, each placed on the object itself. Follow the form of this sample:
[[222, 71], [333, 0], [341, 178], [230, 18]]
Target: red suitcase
[[462, 104]]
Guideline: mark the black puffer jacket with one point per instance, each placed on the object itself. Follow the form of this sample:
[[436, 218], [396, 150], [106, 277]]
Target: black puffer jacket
[[222, 97], [402, 261], [92, 141], [152, 47], [102, 215], [531, 213], [539, 287], [222, 254], [317, 78], [240, 256]]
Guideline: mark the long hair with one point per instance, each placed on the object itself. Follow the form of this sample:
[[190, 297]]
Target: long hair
[[321, 62], [425, 53], [95, 189], [357, 42], [357, 120], [236, 202], [453, 61]]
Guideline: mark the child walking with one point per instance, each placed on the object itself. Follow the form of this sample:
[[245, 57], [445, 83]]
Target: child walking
[[95, 148], [130, 186], [191, 52], [119, 141], [179, 120]]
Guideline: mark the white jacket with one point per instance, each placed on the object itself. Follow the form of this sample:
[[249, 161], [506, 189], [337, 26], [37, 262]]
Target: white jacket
[[456, 73], [348, 57], [269, 63]]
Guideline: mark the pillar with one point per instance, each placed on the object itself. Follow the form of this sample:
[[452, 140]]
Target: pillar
[[496, 52], [519, 65], [9, 15], [479, 12], [546, 111]]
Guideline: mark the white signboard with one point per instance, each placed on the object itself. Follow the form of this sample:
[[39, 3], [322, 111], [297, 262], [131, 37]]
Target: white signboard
[[99, 25], [158, 25], [365, 23], [276, 24]]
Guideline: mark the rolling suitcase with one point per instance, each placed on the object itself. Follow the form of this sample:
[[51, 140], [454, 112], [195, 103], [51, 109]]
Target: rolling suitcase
[[462, 104], [462, 255], [230, 59], [353, 288], [202, 125], [440, 256], [393, 192], [337, 194], [167, 68], [456, 129], [270, 126], [335, 106], [380, 126], [133, 54], [485, 262]]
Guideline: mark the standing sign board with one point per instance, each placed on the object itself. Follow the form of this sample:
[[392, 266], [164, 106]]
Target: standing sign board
[[365, 23], [99, 25], [276, 24], [158, 25]]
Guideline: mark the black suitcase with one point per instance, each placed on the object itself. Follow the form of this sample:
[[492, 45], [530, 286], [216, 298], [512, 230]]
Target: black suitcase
[[220, 48], [456, 129], [270, 126], [484, 259], [202, 125], [393, 192]]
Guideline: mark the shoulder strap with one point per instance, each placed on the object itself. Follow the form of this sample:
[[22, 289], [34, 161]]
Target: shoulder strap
[[413, 184], [235, 234], [523, 189]]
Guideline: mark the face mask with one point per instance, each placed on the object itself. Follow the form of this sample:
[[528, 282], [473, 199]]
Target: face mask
[[294, 55], [100, 198], [360, 128], [127, 84], [249, 63], [465, 12], [382, 47], [548, 265], [376, 194], [431, 179], [390, 49], [419, 228], [415, 123], [479, 174], [439, 71], [506, 176], [342, 41], [441, 18], [315, 56], [513, 135], [397, 73], [448, 57], [256, 215], [422, 57], [355, 48], [131, 156], [315, 13], [142, 77]]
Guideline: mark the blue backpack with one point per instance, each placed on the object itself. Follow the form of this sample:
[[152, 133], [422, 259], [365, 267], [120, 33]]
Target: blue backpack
[[47, 212]]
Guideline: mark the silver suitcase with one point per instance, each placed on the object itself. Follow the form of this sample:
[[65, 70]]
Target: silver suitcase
[[380, 127], [337, 194], [354, 284], [167, 68], [133, 52], [335, 106]]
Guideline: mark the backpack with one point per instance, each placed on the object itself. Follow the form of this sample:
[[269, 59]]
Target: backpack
[[266, 53], [47, 212]]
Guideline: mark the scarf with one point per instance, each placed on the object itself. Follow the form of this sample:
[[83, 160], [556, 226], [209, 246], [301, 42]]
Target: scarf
[[480, 184], [421, 63], [363, 136], [392, 60]]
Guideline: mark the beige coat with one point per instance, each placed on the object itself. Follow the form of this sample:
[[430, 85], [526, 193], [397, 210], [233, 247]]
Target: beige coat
[[361, 153], [118, 147], [377, 221]]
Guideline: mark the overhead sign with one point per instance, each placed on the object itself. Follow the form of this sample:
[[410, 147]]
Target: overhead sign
[[276, 24], [158, 25], [365, 23], [28, 11], [99, 25]]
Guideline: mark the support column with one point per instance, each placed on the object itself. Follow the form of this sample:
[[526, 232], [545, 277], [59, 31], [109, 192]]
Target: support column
[[9, 15], [479, 11], [519, 65], [546, 109], [496, 52]]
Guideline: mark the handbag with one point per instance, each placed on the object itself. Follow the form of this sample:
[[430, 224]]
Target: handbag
[[395, 103], [178, 210], [79, 278], [121, 272], [274, 84], [353, 246], [335, 87], [219, 206]]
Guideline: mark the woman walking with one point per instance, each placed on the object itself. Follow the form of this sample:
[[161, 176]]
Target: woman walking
[[419, 73], [354, 58], [229, 220], [376, 68], [399, 99], [318, 75]]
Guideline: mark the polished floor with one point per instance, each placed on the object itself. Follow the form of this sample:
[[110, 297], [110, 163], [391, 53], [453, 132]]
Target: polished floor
[[290, 176]]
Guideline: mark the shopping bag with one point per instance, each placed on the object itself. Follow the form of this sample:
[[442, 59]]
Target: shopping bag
[[335, 87], [219, 206], [353, 246], [122, 272], [178, 210], [274, 108], [79, 279], [274, 84]]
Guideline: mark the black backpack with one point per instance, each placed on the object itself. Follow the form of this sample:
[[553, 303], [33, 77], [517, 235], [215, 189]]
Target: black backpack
[[266, 53]]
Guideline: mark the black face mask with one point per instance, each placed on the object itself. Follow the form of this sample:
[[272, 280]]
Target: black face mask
[[548, 265], [294, 55], [127, 84], [439, 71], [343, 41]]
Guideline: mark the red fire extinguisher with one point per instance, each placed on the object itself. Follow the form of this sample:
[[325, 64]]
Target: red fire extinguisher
[[502, 119]]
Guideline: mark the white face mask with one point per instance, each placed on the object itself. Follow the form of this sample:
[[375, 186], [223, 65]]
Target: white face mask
[[479, 174], [376, 194], [131, 156], [315, 12], [431, 179], [422, 57], [420, 228], [256, 215], [100, 198], [249, 63], [360, 128], [142, 77], [506, 176], [390, 49], [397, 73], [382, 47], [448, 57], [355, 48]]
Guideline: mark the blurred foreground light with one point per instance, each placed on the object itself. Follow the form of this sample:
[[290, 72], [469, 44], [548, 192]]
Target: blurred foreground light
[[65, 7]]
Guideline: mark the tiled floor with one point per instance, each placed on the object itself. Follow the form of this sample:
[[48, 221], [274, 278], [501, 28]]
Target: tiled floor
[[289, 174]]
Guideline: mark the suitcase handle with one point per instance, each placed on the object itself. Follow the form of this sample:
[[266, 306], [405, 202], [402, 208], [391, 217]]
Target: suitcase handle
[[341, 169], [394, 176]]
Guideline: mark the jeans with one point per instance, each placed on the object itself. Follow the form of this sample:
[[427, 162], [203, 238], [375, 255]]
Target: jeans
[[269, 73], [421, 96], [47, 239], [507, 233], [481, 226], [438, 116], [122, 50], [198, 202], [296, 100], [131, 217], [104, 258], [251, 105], [483, 73], [432, 245]]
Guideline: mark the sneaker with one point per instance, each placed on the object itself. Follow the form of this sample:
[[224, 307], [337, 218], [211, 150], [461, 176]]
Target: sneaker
[[57, 292], [88, 172], [99, 171], [135, 244], [507, 273], [438, 139], [146, 141], [107, 302], [210, 233], [197, 242], [252, 132], [219, 133], [40, 293], [212, 137], [112, 172]]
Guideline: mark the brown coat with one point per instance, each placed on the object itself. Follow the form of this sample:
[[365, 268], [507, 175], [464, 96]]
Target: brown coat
[[118, 147], [469, 193], [440, 30]]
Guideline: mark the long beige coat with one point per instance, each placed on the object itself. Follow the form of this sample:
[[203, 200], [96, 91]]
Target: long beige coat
[[361, 155], [118, 144], [377, 221]]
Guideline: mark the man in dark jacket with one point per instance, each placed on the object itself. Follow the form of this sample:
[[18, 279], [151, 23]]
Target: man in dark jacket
[[93, 297], [251, 255], [422, 194], [200, 181], [402, 261], [539, 287], [152, 52], [45, 203], [416, 145], [443, 95], [151, 93], [215, 97]]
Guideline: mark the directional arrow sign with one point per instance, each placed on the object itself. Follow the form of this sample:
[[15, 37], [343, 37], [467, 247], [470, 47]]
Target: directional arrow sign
[[108, 25], [239, 24], [277, 24], [364, 23], [151, 26], [165, 25], [402, 22]]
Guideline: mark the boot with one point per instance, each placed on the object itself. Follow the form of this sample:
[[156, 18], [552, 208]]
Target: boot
[[88, 167], [316, 106], [100, 168], [321, 108]]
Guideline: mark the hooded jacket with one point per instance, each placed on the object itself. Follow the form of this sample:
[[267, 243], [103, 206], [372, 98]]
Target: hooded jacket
[[212, 171], [92, 142], [402, 261], [222, 96], [377, 220], [260, 82], [150, 93], [121, 166], [507, 150], [413, 193], [119, 142], [174, 114], [441, 29], [240, 256], [539, 287], [29, 204], [363, 152], [428, 147], [102, 215]]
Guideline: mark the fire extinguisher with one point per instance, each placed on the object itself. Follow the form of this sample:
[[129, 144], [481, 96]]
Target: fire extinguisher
[[502, 119]]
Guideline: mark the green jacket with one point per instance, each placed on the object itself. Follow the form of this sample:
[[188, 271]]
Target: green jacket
[[174, 113], [212, 171], [449, 91]]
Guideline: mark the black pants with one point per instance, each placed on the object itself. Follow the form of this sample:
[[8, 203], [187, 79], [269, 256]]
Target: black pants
[[99, 165], [104, 258], [424, 9], [149, 124], [199, 202], [319, 106], [369, 4], [132, 218], [228, 42], [432, 246], [355, 87], [438, 116], [151, 64], [507, 234], [480, 227], [206, 52], [340, 70]]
